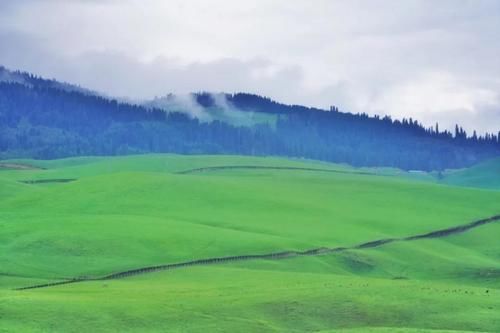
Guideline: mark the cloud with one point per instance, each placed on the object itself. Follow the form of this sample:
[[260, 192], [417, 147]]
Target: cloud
[[185, 103], [160, 76], [439, 96], [422, 59]]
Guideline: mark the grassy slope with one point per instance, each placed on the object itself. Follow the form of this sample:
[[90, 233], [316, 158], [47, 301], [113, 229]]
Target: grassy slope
[[129, 212], [486, 175]]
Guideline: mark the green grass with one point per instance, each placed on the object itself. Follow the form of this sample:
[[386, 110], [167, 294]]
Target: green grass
[[486, 175], [129, 212]]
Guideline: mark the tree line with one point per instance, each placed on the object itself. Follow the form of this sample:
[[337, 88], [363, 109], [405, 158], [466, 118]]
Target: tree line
[[43, 120]]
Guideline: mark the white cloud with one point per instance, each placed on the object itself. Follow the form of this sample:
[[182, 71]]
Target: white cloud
[[438, 96], [422, 59]]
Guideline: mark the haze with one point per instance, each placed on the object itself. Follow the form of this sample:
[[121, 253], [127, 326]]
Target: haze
[[433, 61]]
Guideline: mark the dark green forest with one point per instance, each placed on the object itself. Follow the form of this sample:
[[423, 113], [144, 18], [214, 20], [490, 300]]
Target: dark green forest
[[45, 119]]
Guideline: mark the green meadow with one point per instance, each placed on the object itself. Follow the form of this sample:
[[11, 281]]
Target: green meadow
[[92, 216]]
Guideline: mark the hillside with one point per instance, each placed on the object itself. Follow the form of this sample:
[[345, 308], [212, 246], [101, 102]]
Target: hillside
[[89, 217], [45, 119], [485, 174]]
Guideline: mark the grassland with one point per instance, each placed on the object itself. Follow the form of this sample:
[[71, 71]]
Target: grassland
[[486, 175], [127, 212]]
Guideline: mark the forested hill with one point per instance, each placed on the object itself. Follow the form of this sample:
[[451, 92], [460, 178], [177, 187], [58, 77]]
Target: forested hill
[[47, 119]]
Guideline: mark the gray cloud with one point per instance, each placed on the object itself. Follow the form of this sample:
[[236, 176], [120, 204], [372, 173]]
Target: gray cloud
[[433, 61]]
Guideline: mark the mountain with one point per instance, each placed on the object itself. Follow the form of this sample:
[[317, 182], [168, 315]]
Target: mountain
[[30, 80], [208, 107], [47, 119]]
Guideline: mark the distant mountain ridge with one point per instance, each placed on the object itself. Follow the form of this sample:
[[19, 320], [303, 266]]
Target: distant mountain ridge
[[30, 80], [46, 119]]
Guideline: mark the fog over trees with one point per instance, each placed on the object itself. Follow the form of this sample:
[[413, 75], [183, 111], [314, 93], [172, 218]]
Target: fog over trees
[[46, 119]]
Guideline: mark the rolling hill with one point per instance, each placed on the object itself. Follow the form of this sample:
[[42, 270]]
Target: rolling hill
[[89, 217], [485, 174]]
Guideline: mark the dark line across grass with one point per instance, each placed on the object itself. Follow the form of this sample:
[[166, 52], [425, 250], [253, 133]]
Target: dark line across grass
[[48, 181], [277, 255], [19, 166], [258, 167]]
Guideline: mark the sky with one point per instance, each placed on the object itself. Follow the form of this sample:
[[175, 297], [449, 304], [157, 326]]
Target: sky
[[434, 61]]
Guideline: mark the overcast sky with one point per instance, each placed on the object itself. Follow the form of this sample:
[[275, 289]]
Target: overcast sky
[[430, 60]]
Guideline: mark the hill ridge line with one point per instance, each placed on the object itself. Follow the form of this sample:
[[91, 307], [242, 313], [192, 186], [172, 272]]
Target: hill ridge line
[[441, 233]]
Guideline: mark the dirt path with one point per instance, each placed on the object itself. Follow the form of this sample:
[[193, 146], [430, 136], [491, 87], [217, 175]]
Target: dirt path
[[278, 255], [48, 181], [257, 167], [18, 166]]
